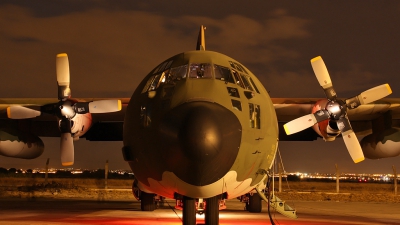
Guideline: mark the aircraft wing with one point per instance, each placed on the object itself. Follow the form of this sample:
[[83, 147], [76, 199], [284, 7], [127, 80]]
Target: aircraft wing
[[108, 126]]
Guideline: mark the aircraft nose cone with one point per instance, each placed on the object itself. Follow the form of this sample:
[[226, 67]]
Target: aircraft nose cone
[[202, 141], [200, 135]]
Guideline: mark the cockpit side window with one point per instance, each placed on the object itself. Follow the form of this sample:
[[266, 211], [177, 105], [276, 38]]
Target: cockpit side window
[[163, 74], [154, 83], [241, 67], [177, 73], [149, 81], [200, 70], [246, 82], [223, 73], [254, 85], [237, 78], [238, 67]]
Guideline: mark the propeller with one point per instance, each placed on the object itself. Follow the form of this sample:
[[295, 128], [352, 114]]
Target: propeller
[[336, 109], [65, 109]]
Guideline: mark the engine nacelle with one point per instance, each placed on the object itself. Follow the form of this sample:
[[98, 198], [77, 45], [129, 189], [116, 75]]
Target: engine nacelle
[[23, 145], [382, 145], [81, 124], [326, 129]]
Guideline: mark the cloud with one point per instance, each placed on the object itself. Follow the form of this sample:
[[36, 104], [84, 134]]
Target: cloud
[[252, 41], [114, 49], [110, 49]]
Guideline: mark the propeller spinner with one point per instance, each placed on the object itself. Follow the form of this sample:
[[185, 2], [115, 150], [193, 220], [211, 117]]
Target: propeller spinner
[[65, 109], [336, 110]]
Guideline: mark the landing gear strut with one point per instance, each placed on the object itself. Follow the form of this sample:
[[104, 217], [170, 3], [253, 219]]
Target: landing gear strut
[[254, 204], [212, 211], [189, 211], [147, 202]]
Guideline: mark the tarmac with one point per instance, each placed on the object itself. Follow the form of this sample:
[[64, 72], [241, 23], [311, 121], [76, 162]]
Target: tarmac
[[69, 212]]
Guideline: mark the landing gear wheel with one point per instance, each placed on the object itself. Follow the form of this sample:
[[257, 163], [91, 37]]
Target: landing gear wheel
[[189, 211], [147, 202], [212, 211], [254, 205], [161, 203]]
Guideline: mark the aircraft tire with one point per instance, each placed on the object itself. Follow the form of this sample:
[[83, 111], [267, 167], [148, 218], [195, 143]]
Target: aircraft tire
[[254, 204], [211, 216], [189, 211], [147, 202]]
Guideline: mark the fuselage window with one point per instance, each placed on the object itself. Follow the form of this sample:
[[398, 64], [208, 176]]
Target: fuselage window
[[200, 70], [145, 116], [233, 92], [254, 115], [236, 105], [237, 78], [223, 73]]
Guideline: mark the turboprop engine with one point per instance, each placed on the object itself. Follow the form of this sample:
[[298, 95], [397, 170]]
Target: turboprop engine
[[20, 145], [74, 117], [329, 116]]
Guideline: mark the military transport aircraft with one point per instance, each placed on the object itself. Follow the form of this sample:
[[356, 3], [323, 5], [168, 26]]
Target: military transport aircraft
[[201, 128]]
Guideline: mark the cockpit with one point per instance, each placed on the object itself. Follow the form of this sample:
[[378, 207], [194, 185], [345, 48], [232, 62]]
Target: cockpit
[[202, 73], [165, 74]]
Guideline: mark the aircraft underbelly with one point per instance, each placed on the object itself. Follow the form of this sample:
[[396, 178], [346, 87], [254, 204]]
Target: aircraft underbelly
[[171, 184]]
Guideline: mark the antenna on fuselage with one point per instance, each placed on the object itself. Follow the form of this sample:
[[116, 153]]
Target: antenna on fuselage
[[201, 41]]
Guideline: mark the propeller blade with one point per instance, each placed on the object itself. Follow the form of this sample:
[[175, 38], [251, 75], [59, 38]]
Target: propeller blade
[[321, 72], [67, 149], [375, 93], [305, 122], [105, 106], [66, 142], [369, 96], [62, 68], [21, 112], [353, 146], [299, 124], [100, 106], [350, 140]]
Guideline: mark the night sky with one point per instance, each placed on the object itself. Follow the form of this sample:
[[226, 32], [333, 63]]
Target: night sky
[[112, 45]]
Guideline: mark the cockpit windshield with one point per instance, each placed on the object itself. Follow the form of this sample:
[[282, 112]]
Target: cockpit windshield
[[200, 70], [165, 74]]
